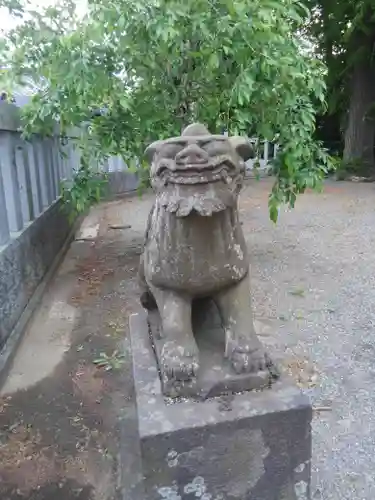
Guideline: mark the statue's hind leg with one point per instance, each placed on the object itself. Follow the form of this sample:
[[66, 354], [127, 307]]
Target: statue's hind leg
[[243, 347], [179, 353]]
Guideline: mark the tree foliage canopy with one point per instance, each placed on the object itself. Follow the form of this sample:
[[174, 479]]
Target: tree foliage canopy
[[152, 66]]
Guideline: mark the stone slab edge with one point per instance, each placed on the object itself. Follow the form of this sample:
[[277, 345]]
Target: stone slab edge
[[9, 350], [155, 417]]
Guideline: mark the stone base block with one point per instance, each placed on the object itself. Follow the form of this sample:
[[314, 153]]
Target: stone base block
[[245, 446]]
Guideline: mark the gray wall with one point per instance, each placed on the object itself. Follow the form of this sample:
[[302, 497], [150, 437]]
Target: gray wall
[[120, 180], [25, 261], [33, 228]]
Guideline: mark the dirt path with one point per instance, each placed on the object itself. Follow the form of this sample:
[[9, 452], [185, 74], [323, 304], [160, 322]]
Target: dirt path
[[67, 425]]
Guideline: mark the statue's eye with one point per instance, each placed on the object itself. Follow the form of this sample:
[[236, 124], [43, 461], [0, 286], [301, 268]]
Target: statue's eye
[[215, 148], [170, 151]]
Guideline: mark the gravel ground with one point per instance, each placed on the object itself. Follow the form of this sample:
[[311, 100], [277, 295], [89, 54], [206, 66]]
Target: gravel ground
[[313, 281], [313, 277]]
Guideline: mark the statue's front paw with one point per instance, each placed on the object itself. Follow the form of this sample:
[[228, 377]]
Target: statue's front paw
[[250, 361], [180, 362]]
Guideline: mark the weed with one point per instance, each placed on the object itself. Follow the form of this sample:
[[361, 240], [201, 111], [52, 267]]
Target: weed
[[112, 362], [298, 292]]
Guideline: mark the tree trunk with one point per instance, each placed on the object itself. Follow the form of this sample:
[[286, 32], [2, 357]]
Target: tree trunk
[[360, 128]]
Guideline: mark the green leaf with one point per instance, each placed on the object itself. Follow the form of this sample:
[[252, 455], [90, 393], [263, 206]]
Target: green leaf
[[274, 212], [213, 61]]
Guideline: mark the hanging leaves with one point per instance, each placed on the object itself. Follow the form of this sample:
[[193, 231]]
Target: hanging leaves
[[154, 66]]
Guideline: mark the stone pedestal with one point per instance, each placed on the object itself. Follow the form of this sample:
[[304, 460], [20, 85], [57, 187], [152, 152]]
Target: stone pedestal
[[250, 446]]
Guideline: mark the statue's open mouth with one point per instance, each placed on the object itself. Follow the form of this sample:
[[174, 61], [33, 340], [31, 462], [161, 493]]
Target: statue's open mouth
[[197, 174]]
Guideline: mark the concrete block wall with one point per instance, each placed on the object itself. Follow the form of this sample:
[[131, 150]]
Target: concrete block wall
[[25, 261], [33, 227]]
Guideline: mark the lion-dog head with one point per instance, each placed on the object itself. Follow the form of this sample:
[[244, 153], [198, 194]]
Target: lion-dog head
[[198, 172]]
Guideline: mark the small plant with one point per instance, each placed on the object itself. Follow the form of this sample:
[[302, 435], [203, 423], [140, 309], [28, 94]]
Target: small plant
[[298, 292], [299, 315], [117, 329], [112, 362], [353, 168], [83, 191], [334, 164]]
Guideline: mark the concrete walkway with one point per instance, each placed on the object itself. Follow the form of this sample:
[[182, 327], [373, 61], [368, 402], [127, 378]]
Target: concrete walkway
[[67, 425]]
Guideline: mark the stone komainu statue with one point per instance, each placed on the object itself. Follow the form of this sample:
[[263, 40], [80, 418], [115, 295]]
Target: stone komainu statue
[[195, 247]]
